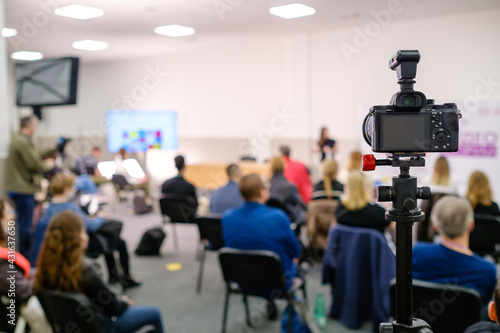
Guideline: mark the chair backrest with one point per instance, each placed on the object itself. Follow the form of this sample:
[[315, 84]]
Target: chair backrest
[[320, 218], [178, 207], [277, 203], [120, 181], [69, 312], [447, 308], [486, 233], [252, 270], [211, 230]]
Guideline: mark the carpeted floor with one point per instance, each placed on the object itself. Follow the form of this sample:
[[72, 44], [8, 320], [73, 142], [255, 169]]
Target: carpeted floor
[[173, 292]]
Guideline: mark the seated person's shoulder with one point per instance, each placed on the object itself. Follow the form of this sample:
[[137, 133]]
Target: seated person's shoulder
[[488, 267], [275, 213], [167, 182], [425, 249], [483, 327]]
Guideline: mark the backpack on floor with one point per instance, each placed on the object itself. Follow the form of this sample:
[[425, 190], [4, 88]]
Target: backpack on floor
[[150, 243], [140, 205]]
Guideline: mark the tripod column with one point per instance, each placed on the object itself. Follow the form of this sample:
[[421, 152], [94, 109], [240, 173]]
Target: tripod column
[[404, 294]]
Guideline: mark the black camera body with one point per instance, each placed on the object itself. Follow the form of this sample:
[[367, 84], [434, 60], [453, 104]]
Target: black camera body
[[411, 123]]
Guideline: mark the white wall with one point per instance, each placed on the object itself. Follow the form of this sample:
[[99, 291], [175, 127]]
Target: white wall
[[242, 91]]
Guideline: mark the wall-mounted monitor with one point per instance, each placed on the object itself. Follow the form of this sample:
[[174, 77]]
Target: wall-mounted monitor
[[140, 130], [47, 82]]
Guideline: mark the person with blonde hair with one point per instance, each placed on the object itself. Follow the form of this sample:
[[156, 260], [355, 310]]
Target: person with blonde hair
[[329, 187], [61, 266], [355, 208], [480, 195], [441, 181]]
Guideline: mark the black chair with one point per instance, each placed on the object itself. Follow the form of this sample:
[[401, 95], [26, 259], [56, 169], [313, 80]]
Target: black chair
[[276, 203], [64, 312], [178, 208], [121, 186], [73, 312], [256, 273], [120, 182], [446, 308], [211, 240], [485, 238]]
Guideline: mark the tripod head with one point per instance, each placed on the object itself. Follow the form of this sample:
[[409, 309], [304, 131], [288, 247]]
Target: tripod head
[[404, 191]]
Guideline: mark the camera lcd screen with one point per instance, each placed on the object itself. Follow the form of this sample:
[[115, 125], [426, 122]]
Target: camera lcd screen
[[403, 133]]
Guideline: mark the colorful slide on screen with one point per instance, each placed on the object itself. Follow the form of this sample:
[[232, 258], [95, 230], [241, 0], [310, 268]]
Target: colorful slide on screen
[[140, 130]]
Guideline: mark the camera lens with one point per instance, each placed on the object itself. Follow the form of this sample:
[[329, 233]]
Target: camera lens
[[409, 100]]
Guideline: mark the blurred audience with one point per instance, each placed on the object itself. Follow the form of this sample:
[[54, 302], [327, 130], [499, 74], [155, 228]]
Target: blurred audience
[[297, 174], [441, 181], [329, 187], [62, 267], [326, 146], [355, 164], [24, 170], [441, 185], [254, 226], [355, 208], [27, 306], [87, 165], [135, 183], [62, 190], [493, 313], [227, 196], [480, 195], [452, 261], [178, 185], [285, 192]]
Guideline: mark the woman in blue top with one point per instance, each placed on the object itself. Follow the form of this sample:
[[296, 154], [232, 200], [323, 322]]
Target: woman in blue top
[[62, 190]]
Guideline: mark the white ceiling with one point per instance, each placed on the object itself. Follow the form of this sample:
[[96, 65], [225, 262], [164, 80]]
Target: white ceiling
[[127, 25]]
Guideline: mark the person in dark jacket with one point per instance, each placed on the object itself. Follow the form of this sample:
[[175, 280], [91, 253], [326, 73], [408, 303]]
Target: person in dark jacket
[[493, 313], [61, 267], [285, 192], [179, 185]]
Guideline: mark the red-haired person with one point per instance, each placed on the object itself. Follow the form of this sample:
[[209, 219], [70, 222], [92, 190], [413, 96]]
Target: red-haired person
[[62, 266]]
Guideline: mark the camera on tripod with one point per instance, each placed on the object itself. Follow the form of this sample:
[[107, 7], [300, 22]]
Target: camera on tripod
[[411, 122]]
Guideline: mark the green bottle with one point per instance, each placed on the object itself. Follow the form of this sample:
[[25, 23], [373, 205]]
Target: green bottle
[[320, 312]]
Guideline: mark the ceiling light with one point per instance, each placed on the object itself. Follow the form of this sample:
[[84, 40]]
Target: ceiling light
[[293, 10], [90, 45], [6, 32], [79, 12], [26, 55], [174, 30]]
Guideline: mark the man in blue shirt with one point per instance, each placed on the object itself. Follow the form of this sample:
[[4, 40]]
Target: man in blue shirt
[[228, 196], [255, 226], [452, 261]]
